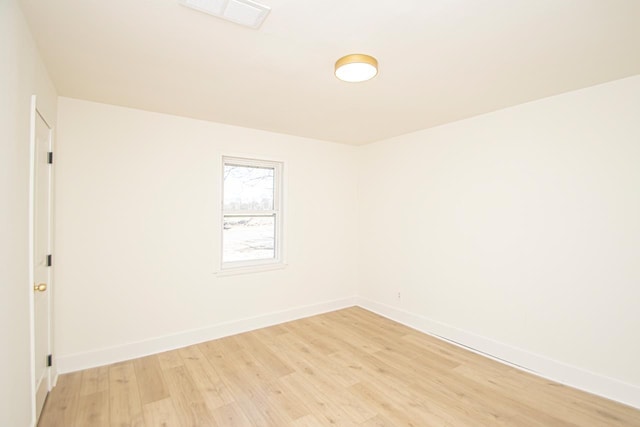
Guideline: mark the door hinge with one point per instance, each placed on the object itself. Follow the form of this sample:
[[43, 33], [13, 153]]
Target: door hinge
[[50, 157], [49, 360], [49, 260]]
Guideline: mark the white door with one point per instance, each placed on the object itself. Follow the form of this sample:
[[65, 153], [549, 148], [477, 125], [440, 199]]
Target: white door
[[41, 261]]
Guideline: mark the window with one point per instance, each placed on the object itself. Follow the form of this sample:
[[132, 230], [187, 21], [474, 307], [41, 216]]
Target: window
[[251, 212]]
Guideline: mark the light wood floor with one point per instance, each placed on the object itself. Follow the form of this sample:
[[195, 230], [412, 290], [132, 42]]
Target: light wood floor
[[346, 368]]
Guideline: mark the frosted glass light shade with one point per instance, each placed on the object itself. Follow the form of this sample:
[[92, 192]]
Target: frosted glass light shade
[[356, 68]]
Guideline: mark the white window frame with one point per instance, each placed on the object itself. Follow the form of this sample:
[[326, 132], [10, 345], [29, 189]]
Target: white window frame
[[233, 267]]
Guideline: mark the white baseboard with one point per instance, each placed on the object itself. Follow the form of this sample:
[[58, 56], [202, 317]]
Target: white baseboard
[[106, 356], [556, 371], [55, 374], [539, 365]]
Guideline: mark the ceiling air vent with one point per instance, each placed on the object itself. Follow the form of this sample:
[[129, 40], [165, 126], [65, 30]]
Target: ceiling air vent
[[243, 12]]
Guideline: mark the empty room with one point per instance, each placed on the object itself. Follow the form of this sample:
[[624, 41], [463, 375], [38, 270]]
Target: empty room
[[320, 213]]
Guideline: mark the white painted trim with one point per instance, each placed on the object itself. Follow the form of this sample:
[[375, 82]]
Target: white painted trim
[[34, 114], [29, 285], [554, 370], [250, 269], [284, 235], [105, 356], [277, 212]]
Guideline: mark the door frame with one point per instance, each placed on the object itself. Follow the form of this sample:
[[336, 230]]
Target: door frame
[[34, 113]]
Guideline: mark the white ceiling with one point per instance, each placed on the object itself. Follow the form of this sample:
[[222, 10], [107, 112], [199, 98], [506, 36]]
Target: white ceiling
[[440, 60]]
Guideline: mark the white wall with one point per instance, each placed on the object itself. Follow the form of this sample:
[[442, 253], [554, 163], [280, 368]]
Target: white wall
[[138, 221], [21, 75], [518, 233]]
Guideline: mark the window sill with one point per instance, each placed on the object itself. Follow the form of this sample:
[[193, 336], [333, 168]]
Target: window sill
[[249, 270]]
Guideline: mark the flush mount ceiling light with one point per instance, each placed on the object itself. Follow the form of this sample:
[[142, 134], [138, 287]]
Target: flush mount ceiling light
[[356, 67], [243, 12]]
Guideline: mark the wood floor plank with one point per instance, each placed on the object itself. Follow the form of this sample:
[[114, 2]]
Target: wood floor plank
[[61, 407], [230, 415], [150, 379], [189, 403], [304, 359], [443, 395], [378, 421], [405, 393], [125, 409], [323, 407], [94, 380], [435, 382], [205, 377], [290, 404], [345, 368], [162, 413], [348, 337], [400, 411], [317, 378], [169, 359], [93, 409], [248, 380], [263, 353], [307, 421], [317, 337]]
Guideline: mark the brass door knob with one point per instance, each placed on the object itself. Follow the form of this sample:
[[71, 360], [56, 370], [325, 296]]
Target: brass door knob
[[40, 287]]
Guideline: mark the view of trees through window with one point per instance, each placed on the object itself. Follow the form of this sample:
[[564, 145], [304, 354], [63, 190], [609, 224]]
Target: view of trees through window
[[249, 218]]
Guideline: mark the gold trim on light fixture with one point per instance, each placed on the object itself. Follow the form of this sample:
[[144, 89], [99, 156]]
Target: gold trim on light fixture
[[356, 67]]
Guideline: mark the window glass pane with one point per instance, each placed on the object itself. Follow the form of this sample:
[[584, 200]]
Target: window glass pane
[[248, 238], [248, 188]]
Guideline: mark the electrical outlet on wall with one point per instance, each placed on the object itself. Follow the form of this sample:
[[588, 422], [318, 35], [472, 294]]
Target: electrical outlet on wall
[[398, 296]]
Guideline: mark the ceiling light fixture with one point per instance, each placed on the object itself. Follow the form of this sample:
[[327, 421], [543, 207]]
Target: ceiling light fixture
[[356, 67]]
